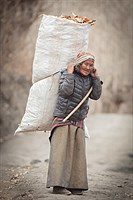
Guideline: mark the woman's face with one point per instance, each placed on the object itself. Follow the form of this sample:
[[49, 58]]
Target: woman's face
[[86, 67]]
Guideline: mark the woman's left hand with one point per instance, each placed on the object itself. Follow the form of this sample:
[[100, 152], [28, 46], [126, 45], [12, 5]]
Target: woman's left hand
[[94, 72]]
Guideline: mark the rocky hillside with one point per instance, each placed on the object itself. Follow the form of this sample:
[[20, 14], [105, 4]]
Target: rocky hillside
[[110, 41]]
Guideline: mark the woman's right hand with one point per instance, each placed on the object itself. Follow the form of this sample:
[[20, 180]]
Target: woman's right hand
[[70, 68]]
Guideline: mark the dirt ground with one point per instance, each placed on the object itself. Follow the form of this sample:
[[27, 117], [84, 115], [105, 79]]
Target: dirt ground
[[24, 162]]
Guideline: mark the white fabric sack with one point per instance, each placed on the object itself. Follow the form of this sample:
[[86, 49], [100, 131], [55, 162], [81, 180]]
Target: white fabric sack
[[59, 40], [86, 130], [41, 103]]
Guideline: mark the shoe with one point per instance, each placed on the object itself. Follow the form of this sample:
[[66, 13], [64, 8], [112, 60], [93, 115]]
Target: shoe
[[76, 191], [60, 190]]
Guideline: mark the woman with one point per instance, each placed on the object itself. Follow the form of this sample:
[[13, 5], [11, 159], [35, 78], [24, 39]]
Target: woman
[[67, 172]]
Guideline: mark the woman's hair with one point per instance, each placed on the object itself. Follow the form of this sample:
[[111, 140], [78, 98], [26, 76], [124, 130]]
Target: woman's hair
[[76, 67]]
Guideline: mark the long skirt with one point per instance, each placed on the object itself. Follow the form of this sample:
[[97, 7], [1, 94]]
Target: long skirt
[[67, 163]]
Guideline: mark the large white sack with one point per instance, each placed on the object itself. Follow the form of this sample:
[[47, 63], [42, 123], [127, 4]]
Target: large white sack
[[40, 106], [59, 40]]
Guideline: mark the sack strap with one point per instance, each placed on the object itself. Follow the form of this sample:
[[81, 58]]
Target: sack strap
[[76, 108]]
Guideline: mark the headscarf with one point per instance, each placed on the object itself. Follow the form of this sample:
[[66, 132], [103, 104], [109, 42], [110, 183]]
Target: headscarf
[[83, 56]]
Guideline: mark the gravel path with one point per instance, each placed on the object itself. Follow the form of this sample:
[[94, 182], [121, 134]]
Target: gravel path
[[24, 162]]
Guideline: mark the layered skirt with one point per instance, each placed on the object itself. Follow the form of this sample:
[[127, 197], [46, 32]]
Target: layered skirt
[[67, 163]]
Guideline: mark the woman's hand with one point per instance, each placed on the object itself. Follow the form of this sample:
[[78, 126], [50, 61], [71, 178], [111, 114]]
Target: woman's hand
[[70, 68], [94, 72]]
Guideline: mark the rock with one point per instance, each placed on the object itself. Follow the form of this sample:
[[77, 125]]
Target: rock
[[36, 161]]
